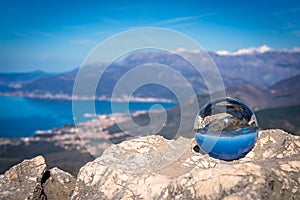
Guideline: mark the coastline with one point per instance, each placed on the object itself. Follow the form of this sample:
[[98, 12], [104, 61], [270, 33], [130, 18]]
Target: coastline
[[50, 96], [33, 114]]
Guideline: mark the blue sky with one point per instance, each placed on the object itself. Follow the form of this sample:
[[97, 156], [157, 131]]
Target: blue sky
[[57, 35]]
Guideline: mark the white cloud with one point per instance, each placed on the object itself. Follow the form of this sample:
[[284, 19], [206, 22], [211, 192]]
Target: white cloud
[[81, 41], [181, 19], [183, 50], [243, 51], [251, 50], [295, 49]]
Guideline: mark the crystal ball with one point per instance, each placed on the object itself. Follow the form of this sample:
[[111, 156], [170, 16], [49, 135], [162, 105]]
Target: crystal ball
[[226, 129]]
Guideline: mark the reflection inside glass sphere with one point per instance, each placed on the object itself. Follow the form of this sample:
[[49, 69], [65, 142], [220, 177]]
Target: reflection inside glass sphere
[[226, 129]]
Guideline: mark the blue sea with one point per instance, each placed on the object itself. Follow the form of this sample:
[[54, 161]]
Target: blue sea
[[21, 117]]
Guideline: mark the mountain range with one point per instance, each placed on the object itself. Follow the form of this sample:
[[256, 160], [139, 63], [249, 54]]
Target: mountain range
[[256, 74]]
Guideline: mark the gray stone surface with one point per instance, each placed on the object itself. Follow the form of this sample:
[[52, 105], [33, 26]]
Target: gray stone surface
[[31, 180], [131, 170], [20, 180], [60, 185], [154, 168]]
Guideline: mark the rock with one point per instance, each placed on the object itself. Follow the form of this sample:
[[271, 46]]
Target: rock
[[20, 180], [154, 168], [31, 180], [60, 184]]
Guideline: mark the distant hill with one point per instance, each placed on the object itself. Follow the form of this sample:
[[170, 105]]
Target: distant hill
[[12, 81], [288, 84], [254, 72], [273, 109], [286, 118], [260, 69], [57, 84], [282, 93], [22, 76]]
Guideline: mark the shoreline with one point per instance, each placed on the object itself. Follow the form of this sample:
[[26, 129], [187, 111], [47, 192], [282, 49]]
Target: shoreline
[[83, 98], [86, 116]]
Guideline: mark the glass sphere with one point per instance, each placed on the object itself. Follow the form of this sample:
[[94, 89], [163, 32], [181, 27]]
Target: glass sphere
[[226, 129]]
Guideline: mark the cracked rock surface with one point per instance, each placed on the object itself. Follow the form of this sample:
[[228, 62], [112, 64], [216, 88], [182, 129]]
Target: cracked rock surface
[[138, 169], [155, 168], [20, 180], [31, 180]]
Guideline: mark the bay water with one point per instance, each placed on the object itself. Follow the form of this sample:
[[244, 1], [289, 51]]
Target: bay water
[[21, 117]]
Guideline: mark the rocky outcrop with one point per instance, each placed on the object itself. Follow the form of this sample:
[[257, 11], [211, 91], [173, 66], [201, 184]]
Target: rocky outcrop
[[20, 180], [31, 180], [60, 184], [155, 168]]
